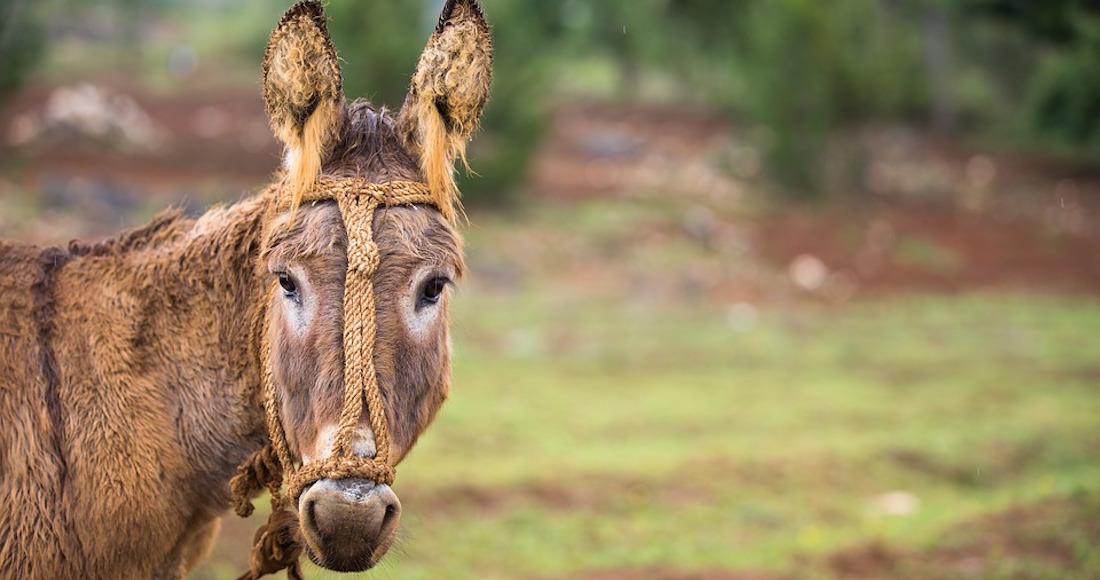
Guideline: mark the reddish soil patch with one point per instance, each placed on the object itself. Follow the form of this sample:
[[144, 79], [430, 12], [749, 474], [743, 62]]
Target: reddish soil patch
[[666, 574], [594, 495], [936, 249], [1054, 537], [695, 483], [218, 137], [939, 216], [593, 151]]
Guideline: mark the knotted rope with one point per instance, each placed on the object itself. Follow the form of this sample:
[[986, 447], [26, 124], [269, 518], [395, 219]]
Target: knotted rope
[[276, 545]]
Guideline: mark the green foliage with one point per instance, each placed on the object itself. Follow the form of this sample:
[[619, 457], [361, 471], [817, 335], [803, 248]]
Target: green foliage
[[805, 69], [1049, 20], [512, 127], [1064, 99], [379, 43], [812, 66], [21, 45], [791, 63], [631, 34]]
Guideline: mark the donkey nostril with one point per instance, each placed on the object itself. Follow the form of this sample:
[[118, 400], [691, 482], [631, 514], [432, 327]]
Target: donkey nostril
[[310, 512], [392, 511]]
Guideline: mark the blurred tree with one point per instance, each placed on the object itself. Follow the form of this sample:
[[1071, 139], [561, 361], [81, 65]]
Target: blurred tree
[[379, 44], [709, 33], [21, 44], [1063, 96], [791, 63], [632, 33], [1064, 99], [938, 61], [1050, 20], [811, 67], [525, 34]]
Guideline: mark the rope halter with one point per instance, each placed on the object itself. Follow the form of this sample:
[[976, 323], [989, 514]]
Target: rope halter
[[357, 199]]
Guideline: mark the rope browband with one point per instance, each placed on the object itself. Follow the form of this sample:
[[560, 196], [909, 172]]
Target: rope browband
[[276, 545]]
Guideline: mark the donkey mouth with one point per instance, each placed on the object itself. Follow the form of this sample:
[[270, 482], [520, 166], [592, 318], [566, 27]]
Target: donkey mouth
[[345, 554], [341, 564], [348, 524]]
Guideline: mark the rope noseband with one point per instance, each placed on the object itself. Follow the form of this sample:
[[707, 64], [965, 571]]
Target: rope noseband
[[276, 546]]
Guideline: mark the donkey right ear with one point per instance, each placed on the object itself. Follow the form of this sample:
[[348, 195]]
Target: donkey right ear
[[303, 92]]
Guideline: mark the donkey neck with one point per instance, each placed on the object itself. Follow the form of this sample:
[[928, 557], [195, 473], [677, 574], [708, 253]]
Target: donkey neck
[[183, 297]]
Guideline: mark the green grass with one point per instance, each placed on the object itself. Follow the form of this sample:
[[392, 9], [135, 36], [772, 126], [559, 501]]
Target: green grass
[[663, 439], [597, 424]]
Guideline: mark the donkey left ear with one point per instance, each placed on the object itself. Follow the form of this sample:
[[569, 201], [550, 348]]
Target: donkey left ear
[[303, 92], [449, 90]]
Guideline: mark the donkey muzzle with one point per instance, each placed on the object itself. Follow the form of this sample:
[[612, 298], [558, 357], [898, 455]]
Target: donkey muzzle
[[348, 524]]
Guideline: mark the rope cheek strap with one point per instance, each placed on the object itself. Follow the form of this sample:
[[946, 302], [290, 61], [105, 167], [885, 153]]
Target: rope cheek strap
[[275, 543]]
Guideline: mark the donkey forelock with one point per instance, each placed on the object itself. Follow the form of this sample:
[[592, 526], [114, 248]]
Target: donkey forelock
[[370, 147]]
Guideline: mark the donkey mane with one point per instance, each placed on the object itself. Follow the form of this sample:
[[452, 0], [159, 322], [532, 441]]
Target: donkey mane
[[172, 228], [163, 227]]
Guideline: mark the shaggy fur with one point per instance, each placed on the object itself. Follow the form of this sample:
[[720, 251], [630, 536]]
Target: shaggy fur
[[303, 92], [448, 92], [152, 411], [129, 368]]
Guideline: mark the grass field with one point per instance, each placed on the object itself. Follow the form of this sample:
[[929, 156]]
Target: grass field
[[682, 445], [597, 434]]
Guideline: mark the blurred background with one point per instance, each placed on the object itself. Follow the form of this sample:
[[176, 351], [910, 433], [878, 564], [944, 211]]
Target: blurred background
[[758, 289]]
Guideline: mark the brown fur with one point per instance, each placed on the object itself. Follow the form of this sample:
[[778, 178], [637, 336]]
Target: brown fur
[[145, 392], [302, 91], [129, 368], [408, 238]]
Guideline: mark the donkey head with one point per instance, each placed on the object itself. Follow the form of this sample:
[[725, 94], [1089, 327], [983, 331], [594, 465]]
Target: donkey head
[[348, 524]]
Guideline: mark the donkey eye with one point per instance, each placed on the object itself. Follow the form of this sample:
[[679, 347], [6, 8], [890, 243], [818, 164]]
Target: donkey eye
[[432, 291], [289, 287]]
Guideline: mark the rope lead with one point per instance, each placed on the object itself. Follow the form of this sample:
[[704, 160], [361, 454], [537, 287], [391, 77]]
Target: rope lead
[[276, 545]]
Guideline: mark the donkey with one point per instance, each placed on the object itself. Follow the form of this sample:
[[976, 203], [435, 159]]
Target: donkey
[[131, 368]]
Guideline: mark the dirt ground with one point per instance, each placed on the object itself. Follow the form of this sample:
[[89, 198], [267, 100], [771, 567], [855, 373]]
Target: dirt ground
[[206, 136], [932, 214], [989, 545]]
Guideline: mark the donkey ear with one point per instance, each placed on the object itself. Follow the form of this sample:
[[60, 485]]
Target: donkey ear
[[303, 92], [449, 90]]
